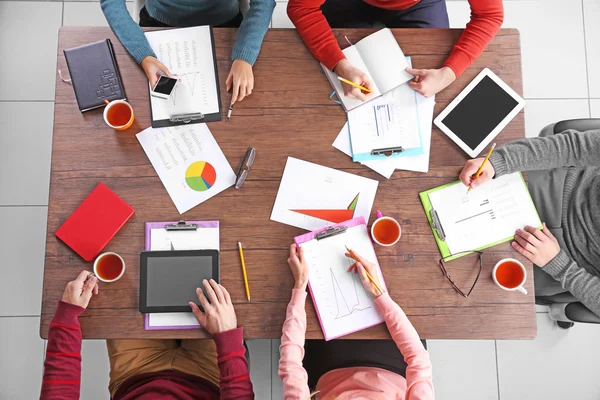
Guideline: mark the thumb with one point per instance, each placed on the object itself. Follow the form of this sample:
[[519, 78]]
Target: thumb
[[415, 72], [198, 313], [88, 289], [164, 69]]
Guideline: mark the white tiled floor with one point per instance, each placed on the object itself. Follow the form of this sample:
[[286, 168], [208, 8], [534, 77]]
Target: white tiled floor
[[556, 45]]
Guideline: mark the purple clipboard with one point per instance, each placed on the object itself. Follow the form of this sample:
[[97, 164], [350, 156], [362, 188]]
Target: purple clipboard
[[158, 225], [307, 237]]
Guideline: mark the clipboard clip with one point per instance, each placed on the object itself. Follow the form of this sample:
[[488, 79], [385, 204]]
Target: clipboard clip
[[181, 226], [437, 225], [187, 118], [331, 231], [385, 150]]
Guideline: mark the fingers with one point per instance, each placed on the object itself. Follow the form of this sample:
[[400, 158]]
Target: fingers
[[234, 95], [548, 233], [525, 244], [360, 258], [522, 251], [416, 86], [82, 277], [202, 299], [217, 288], [243, 91], [198, 313], [229, 81], [89, 287], [363, 274], [226, 295], [356, 93], [293, 254], [416, 72], [529, 236], [538, 234], [352, 267], [96, 288], [300, 253], [164, 69], [212, 296]]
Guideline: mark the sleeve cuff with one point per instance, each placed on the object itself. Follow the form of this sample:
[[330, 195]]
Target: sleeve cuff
[[66, 314], [458, 61], [247, 55], [557, 265], [298, 296], [499, 164], [334, 59], [142, 52], [384, 302], [229, 341]]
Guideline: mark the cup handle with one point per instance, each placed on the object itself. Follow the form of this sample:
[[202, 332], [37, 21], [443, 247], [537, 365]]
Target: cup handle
[[106, 101], [378, 214], [522, 290]]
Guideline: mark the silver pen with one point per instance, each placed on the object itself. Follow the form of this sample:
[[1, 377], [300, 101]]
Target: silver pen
[[229, 112]]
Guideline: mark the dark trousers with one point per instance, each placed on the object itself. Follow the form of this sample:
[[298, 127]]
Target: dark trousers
[[147, 21], [358, 14], [321, 357]]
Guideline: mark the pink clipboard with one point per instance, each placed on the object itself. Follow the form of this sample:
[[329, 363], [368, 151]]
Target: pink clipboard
[[159, 225], [307, 237]]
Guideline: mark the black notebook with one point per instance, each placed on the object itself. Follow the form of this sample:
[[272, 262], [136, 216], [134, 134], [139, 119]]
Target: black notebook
[[94, 74]]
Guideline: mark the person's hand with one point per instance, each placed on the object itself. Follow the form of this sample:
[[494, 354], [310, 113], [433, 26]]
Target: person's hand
[[359, 267], [467, 175], [241, 79], [346, 70], [428, 82], [80, 291], [152, 68], [219, 315], [298, 266], [538, 246]]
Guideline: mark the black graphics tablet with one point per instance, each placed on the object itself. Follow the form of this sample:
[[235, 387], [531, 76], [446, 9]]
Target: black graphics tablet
[[168, 279]]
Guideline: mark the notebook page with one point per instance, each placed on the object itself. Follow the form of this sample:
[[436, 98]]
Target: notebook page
[[343, 304], [354, 57], [489, 214], [384, 59], [188, 54]]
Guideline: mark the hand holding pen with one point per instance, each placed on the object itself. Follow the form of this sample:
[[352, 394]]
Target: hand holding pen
[[478, 171]]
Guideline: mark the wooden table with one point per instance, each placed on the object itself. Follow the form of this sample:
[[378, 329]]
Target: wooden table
[[280, 119]]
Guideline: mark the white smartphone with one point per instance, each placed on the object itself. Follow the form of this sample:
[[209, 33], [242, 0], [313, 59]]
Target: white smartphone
[[164, 86]]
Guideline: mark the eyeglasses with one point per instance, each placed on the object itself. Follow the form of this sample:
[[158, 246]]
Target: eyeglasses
[[446, 261], [244, 169]]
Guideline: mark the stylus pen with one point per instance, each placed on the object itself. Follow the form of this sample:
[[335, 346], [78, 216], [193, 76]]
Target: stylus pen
[[482, 165], [244, 270], [229, 112]]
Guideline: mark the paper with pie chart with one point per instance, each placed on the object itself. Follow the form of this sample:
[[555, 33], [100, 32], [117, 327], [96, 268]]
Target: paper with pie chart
[[311, 196], [189, 162]]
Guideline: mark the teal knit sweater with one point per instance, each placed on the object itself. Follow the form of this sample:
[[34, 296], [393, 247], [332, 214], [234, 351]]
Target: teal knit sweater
[[185, 13]]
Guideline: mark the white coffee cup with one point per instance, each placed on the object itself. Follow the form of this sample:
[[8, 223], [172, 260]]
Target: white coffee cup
[[99, 276], [519, 287]]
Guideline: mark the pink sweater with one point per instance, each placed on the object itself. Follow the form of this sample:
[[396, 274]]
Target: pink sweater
[[356, 382]]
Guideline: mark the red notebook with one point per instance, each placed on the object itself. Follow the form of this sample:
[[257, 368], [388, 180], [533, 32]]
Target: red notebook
[[95, 222]]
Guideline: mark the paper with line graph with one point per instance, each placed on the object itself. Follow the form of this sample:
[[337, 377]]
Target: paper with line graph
[[343, 305], [312, 197], [487, 215], [188, 54]]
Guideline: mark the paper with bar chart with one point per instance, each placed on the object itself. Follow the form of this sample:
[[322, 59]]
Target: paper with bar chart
[[343, 305], [189, 162], [312, 196]]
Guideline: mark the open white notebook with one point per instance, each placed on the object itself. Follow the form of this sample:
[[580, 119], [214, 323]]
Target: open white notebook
[[381, 58]]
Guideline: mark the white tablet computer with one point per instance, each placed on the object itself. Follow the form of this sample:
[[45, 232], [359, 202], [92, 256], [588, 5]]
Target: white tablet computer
[[474, 118]]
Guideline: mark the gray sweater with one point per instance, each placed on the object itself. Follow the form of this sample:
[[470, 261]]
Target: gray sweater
[[577, 267]]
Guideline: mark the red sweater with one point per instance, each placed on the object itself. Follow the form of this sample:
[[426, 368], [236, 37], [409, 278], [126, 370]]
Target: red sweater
[[62, 368], [486, 19]]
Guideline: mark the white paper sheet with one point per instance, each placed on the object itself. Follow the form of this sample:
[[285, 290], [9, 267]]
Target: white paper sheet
[[178, 153], [389, 121], [488, 214], [343, 303], [308, 188], [188, 54], [161, 239], [419, 163]]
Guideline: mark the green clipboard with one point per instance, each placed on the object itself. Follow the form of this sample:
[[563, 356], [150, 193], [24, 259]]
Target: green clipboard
[[442, 245]]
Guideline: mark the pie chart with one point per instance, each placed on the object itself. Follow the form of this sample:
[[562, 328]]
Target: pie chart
[[200, 176]]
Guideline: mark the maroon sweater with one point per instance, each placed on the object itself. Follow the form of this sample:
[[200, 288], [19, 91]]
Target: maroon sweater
[[62, 368]]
